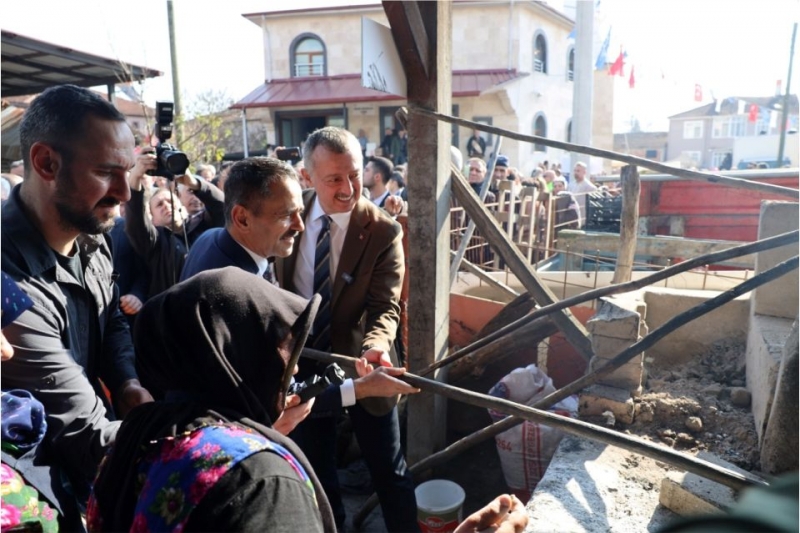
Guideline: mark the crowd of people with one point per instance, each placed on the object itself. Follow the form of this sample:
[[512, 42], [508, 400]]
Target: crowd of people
[[158, 324]]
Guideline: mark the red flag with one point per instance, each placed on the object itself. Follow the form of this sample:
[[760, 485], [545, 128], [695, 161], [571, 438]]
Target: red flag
[[753, 116], [631, 80], [616, 67], [698, 93]]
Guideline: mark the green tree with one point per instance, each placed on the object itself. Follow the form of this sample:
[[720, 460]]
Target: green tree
[[206, 126]]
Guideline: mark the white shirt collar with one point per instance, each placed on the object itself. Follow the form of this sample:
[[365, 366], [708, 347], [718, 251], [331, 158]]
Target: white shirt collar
[[377, 201], [261, 262], [342, 220]]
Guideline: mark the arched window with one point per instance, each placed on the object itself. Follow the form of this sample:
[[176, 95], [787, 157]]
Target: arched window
[[540, 130], [569, 131], [307, 56], [540, 54], [571, 65]]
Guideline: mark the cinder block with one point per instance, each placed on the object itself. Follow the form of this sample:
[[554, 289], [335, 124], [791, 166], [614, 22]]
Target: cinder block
[[616, 321], [597, 399], [608, 347], [778, 298], [628, 376]]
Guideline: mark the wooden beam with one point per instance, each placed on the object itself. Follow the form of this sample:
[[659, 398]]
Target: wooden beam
[[616, 156], [417, 28], [629, 223], [429, 210], [716, 257], [404, 40], [589, 243], [573, 330], [573, 426], [482, 274]]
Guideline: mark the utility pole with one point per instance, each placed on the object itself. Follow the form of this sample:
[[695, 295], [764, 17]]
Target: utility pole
[[176, 85], [785, 109], [583, 90]]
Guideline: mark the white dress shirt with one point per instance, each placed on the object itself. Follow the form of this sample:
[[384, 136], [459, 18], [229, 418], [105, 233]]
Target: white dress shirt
[[304, 267]]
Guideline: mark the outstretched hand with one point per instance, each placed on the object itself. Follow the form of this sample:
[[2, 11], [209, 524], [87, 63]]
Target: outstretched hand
[[381, 382], [504, 514]]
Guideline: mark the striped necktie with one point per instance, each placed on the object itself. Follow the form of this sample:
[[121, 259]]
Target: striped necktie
[[322, 286]]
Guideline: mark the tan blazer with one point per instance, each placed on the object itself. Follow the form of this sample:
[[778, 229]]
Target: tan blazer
[[366, 288]]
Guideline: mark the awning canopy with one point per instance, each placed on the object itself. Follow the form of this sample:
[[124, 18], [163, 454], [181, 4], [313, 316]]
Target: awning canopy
[[346, 88], [30, 66]]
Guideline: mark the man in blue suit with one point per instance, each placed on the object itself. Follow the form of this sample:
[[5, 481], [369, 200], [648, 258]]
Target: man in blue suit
[[263, 215]]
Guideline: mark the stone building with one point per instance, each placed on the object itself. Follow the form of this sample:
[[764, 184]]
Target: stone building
[[512, 68]]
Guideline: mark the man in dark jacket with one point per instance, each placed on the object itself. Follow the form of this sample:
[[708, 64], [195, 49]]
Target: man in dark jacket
[[77, 150]]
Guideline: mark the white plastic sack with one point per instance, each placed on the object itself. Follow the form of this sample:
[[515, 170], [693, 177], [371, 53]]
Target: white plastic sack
[[526, 450]]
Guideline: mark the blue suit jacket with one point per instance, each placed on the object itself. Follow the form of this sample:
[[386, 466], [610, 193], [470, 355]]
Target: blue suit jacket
[[215, 248]]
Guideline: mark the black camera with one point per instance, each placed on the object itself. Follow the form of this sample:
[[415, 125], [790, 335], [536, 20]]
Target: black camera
[[291, 154], [171, 161], [314, 385]]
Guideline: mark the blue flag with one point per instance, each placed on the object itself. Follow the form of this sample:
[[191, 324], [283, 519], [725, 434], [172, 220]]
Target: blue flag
[[601, 57]]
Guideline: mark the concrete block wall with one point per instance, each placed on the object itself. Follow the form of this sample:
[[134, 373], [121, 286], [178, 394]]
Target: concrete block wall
[[725, 323], [774, 307], [780, 297]]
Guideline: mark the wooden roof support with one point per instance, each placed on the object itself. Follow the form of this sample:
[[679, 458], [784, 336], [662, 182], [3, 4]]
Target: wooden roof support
[[573, 330], [422, 35]]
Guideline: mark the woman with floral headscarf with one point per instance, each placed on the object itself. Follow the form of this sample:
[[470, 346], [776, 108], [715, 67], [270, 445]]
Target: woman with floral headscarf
[[219, 350]]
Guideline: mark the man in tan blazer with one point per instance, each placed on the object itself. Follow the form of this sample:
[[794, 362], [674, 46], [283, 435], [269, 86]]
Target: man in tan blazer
[[366, 274]]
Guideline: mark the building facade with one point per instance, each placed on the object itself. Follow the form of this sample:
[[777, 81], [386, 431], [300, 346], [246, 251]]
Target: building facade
[[747, 128], [512, 68]]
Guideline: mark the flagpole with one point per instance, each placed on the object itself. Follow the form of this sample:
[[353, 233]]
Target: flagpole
[[785, 109]]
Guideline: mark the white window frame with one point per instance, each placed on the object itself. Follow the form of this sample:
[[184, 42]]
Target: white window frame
[[693, 129]]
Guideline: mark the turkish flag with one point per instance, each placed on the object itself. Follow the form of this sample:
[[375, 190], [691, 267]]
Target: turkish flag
[[698, 93], [616, 67], [753, 116]]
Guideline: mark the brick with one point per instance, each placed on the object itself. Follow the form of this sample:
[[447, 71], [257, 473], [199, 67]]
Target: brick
[[597, 399]]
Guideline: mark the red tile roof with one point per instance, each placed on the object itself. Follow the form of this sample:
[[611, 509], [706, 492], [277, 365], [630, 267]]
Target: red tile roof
[[347, 88]]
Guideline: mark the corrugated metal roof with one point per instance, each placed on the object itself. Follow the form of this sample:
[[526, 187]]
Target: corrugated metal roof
[[30, 66], [347, 88]]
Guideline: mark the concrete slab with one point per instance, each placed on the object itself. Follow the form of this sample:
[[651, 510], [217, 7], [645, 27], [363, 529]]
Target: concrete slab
[[591, 486], [728, 322], [765, 344], [688, 494]]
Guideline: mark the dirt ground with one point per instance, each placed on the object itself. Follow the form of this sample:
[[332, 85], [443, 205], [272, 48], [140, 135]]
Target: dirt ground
[[702, 406], [699, 406]]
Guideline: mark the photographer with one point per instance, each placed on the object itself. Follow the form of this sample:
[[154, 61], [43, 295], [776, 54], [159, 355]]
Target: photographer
[[164, 245]]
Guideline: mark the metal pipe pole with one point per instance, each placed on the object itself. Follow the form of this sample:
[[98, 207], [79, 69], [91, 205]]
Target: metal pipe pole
[[176, 85], [785, 110]]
